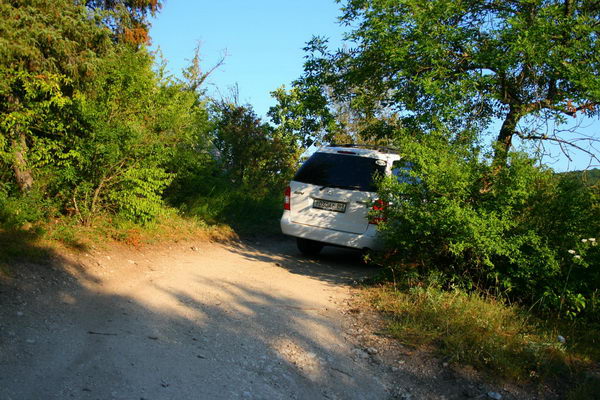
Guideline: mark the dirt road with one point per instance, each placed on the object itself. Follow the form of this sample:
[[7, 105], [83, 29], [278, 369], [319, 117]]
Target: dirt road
[[193, 321]]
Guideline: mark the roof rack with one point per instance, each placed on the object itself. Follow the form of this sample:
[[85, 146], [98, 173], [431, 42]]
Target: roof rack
[[367, 146]]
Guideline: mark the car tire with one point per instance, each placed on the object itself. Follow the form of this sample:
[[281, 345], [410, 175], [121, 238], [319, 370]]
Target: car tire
[[309, 247]]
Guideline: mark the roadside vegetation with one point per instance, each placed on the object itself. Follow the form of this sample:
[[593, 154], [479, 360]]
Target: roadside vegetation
[[98, 139], [500, 340], [492, 258]]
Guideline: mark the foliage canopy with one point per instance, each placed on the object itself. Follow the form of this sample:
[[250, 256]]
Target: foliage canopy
[[463, 64]]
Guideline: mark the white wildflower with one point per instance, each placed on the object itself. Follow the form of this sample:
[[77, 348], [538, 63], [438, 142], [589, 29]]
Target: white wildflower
[[583, 240], [577, 256], [572, 251], [593, 240]]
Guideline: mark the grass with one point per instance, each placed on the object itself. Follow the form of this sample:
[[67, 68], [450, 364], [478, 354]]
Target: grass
[[243, 212], [36, 242], [219, 217], [499, 339], [170, 227]]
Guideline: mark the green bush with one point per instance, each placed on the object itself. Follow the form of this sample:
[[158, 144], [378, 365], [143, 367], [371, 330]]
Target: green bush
[[17, 210], [139, 197], [242, 209], [507, 230]]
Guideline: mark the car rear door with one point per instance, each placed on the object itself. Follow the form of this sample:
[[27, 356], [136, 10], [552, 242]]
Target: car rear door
[[334, 191]]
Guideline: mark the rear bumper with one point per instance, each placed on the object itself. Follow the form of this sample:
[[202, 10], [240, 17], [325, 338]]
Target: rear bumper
[[367, 240]]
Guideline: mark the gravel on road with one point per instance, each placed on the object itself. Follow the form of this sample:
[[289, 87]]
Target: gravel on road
[[203, 321]]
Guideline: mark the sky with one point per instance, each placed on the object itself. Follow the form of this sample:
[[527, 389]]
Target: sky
[[263, 42]]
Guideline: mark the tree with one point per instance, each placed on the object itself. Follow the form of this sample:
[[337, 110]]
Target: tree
[[128, 126], [305, 113], [253, 153], [461, 65], [84, 119], [49, 52], [315, 118], [127, 18], [439, 75], [47, 49]]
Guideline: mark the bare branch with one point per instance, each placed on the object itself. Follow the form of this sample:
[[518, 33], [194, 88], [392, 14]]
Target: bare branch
[[193, 74], [564, 143]]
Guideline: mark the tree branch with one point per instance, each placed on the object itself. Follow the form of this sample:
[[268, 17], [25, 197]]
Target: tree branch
[[550, 104], [561, 142]]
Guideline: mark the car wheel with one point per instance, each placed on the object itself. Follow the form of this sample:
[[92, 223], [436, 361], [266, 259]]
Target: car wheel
[[309, 247]]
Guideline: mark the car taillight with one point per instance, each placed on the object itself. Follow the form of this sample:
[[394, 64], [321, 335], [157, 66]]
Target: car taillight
[[287, 193], [377, 212]]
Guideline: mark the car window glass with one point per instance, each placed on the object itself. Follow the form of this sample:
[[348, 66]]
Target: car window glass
[[341, 171], [401, 170]]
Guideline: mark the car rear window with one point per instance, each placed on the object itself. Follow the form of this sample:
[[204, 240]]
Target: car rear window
[[341, 171]]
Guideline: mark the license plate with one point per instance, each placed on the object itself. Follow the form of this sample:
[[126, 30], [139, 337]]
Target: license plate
[[329, 205]]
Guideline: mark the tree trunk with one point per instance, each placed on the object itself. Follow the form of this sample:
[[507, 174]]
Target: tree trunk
[[18, 143], [503, 143], [22, 171], [505, 136]]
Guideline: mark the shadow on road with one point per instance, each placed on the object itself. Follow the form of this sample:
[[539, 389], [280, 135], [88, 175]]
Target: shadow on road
[[334, 264], [185, 325], [24, 259]]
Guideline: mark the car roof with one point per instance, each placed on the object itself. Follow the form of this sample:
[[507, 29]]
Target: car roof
[[359, 150]]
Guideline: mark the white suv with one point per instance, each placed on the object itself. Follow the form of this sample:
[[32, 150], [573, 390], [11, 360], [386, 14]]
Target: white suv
[[329, 198]]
